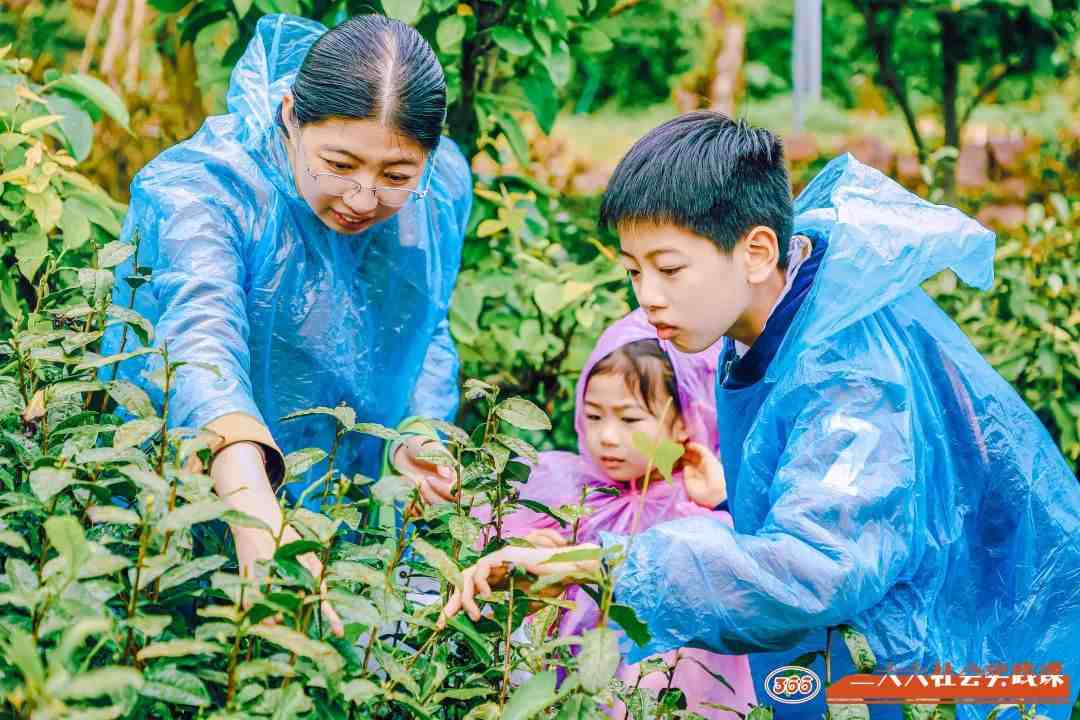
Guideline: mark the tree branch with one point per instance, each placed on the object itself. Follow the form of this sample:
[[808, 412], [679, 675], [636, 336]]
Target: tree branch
[[991, 85], [881, 39]]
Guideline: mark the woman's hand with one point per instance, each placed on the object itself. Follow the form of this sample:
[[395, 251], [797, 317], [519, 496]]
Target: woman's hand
[[703, 475], [491, 571], [240, 480], [435, 483]]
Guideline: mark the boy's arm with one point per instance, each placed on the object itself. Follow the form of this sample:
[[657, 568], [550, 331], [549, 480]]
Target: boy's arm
[[840, 531]]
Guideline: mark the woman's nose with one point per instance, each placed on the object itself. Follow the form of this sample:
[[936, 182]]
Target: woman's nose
[[362, 201]]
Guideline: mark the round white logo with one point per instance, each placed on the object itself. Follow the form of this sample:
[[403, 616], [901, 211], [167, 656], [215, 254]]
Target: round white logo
[[792, 685]]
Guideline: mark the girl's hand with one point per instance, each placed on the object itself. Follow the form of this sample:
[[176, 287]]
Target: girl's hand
[[703, 475], [492, 570], [546, 538], [435, 483]]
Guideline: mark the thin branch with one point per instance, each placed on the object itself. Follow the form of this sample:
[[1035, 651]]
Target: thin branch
[[93, 35], [881, 39], [991, 85]]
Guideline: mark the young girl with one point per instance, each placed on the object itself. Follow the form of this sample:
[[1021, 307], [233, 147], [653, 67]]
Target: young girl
[[634, 382]]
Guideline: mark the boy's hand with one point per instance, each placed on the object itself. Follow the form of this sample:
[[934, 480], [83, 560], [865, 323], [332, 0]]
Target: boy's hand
[[491, 571], [436, 483], [704, 476]]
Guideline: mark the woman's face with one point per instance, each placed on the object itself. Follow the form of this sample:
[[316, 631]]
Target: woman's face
[[612, 415], [364, 151]]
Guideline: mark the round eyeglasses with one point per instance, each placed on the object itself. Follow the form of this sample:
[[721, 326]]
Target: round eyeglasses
[[349, 189]]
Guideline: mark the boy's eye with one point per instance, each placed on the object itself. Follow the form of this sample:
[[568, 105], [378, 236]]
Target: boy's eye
[[592, 418], [669, 271], [338, 165], [632, 420], [632, 273], [396, 178]]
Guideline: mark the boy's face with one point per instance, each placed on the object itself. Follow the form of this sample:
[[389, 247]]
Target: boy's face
[[692, 291]]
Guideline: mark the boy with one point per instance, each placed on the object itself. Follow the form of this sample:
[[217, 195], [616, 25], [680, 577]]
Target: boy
[[879, 472]]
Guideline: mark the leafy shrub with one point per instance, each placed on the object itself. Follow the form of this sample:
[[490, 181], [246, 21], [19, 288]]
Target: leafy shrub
[[1027, 324], [536, 290]]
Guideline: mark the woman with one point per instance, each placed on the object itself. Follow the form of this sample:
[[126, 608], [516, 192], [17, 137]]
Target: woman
[[305, 245]]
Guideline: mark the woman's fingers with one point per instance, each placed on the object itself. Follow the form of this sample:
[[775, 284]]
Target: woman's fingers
[[546, 537], [468, 591]]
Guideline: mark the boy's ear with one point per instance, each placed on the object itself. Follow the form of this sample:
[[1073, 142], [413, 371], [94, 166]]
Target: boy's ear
[[762, 253]]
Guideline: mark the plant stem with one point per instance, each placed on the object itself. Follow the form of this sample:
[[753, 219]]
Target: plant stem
[[506, 649]]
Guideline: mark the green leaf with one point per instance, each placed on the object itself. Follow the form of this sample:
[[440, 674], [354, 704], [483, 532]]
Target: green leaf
[[511, 41], [171, 685], [598, 659], [102, 681], [357, 572], [300, 461], [439, 560], [579, 555], [242, 7], [14, 540], [628, 620], [114, 253], [150, 625], [22, 652], [375, 429], [323, 655], [96, 285], [560, 65], [131, 397], [135, 432], [760, 712], [92, 207], [101, 514], [532, 697], [353, 608], [98, 93], [450, 33], [359, 691], [861, 654], [66, 535], [47, 482], [406, 11], [192, 514], [142, 327], [523, 414], [76, 129], [519, 145], [47, 208], [552, 298], [542, 97], [178, 648], [594, 41], [31, 249], [190, 570], [464, 529], [847, 711]]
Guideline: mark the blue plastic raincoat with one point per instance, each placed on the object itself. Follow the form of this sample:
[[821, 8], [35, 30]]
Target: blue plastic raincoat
[[247, 278], [881, 474]]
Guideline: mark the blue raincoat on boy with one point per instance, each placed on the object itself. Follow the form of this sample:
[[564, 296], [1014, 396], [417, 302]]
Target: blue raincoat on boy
[[880, 473], [293, 315]]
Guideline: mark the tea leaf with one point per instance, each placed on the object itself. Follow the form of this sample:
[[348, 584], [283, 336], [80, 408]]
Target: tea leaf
[[171, 685], [102, 681], [439, 560], [359, 691], [598, 659], [861, 654], [519, 446], [178, 648], [47, 482], [193, 513], [356, 572], [322, 654], [66, 535], [300, 461], [135, 432], [628, 620], [532, 697], [190, 570], [523, 414]]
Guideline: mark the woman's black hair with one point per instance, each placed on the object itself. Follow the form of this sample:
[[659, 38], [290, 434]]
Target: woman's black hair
[[648, 373], [373, 67]]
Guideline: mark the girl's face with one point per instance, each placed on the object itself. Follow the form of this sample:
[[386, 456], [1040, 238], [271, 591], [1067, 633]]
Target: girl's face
[[612, 415], [364, 151]]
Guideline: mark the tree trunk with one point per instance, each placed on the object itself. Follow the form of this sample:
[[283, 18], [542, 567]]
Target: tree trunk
[[950, 41]]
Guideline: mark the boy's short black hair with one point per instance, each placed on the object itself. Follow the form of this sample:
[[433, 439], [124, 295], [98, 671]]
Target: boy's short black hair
[[707, 173]]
